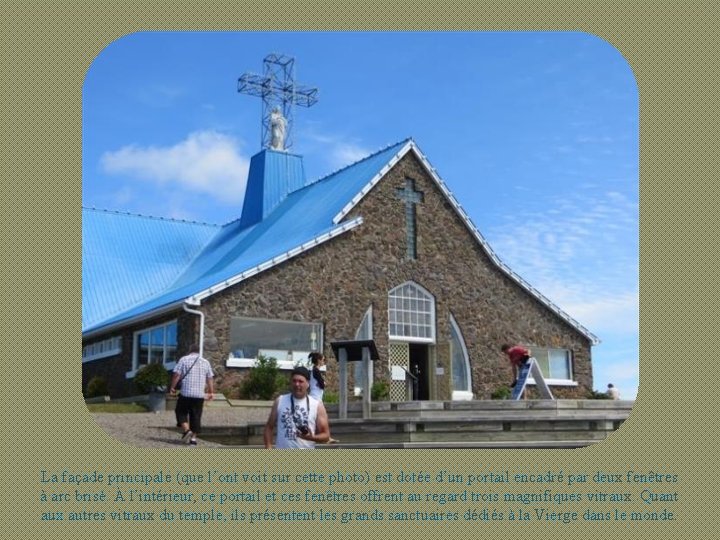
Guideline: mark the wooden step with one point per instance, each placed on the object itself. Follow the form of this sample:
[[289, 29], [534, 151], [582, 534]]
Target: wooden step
[[477, 424]]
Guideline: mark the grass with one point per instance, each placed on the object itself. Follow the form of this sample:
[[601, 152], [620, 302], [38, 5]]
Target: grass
[[116, 408]]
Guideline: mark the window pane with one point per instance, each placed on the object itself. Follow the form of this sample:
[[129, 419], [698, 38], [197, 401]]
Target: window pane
[[157, 342], [156, 355], [250, 336], [171, 334], [410, 312], [559, 364], [171, 342], [364, 331], [544, 365], [459, 364], [143, 353], [554, 363], [157, 337]]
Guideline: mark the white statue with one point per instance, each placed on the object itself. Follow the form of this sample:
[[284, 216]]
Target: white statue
[[278, 124]]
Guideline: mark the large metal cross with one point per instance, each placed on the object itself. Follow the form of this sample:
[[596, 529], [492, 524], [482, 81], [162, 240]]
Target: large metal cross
[[411, 198], [277, 88]]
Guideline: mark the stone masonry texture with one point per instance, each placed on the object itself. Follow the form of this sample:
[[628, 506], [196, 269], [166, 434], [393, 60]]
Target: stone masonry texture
[[335, 282]]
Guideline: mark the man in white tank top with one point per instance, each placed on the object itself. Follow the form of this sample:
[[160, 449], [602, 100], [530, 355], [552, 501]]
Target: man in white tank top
[[299, 420]]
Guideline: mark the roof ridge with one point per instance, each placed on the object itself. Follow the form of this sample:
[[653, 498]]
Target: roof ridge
[[339, 170], [160, 218], [373, 154]]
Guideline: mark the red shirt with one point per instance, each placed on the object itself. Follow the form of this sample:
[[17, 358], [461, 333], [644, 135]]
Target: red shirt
[[516, 354]]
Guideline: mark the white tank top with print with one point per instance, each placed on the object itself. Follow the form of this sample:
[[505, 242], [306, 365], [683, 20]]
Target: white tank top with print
[[289, 421]]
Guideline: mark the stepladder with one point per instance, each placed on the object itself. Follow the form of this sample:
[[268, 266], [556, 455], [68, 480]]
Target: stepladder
[[531, 367]]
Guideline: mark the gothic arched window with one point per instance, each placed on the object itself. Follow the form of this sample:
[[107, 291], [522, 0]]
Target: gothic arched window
[[459, 364], [411, 313]]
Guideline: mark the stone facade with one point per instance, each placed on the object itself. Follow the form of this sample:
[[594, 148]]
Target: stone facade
[[335, 283]]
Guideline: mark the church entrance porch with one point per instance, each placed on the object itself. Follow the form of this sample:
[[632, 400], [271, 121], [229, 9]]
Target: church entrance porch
[[412, 372]]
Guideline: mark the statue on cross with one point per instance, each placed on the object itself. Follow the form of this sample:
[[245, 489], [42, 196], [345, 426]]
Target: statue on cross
[[278, 125]]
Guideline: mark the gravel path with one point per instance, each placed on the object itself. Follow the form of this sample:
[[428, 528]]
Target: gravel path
[[157, 430]]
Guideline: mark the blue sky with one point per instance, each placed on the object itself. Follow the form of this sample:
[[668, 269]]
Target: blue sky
[[536, 134]]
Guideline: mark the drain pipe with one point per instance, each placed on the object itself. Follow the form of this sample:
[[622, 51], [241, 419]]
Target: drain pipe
[[202, 326]]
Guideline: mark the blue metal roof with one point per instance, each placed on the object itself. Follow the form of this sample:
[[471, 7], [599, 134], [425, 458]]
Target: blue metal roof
[[271, 177], [127, 259], [138, 265]]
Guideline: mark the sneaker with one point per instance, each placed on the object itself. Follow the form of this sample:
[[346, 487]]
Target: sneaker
[[193, 442], [187, 436]]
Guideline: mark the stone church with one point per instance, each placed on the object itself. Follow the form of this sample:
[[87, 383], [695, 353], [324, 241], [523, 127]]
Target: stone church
[[378, 250]]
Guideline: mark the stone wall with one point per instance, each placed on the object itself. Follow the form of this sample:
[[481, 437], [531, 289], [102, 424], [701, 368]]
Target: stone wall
[[335, 283]]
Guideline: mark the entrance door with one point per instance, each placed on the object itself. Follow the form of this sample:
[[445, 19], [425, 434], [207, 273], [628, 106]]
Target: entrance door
[[420, 367]]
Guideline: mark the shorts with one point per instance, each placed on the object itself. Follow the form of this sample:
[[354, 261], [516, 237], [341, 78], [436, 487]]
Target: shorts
[[190, 410]]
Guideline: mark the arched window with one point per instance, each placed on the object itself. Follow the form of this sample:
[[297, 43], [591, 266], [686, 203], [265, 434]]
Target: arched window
[[459, 364], [411, 314], [364, 331]]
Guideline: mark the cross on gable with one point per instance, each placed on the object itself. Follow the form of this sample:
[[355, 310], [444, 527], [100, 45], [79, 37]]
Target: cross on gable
[[411, 198], [278, 89]]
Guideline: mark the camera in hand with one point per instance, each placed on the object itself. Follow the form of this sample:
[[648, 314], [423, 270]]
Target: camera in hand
[[300, 419]]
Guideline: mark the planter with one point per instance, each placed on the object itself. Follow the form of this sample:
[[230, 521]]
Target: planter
[[156, 402]]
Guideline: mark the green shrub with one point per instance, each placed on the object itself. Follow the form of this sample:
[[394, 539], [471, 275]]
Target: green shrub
[[264, 381], [380, 391], [331, 397], [596, 394], [96, 386], [502, 392], [152, 378]]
